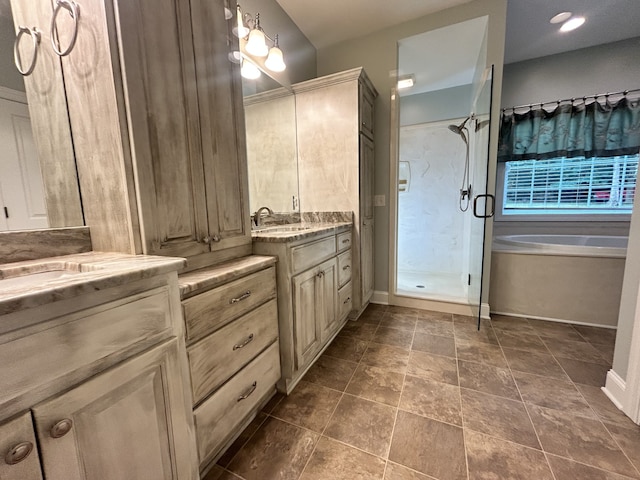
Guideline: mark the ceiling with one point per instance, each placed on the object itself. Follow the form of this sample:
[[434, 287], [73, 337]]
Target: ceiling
[[529, 33]]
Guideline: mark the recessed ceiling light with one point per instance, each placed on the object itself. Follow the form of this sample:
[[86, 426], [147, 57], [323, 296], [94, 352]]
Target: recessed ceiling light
[[560, 17], [572, 24], [406, 81]]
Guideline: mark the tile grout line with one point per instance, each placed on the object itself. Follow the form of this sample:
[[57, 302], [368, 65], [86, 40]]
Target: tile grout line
[[395, 420], [464, 430], [535, 430], [338, 403]]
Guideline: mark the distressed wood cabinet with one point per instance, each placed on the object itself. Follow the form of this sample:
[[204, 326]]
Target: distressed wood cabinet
[[314, 296], [231, 317], [95, 386], [336, 161], [154, 115]]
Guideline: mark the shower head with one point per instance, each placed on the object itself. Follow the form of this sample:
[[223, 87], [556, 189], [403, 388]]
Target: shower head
[[459, 128]]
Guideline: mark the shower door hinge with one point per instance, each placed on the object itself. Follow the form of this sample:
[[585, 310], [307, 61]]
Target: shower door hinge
[[469, 280]]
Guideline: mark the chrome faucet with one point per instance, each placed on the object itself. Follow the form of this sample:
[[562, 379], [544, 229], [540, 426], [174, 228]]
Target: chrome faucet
[[258, 215]]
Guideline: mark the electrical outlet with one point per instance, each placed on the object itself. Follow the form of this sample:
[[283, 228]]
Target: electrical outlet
[[379, 200]]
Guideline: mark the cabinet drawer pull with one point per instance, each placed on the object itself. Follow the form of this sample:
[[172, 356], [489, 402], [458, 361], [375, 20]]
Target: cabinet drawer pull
[[346, 240], [35, 39], [346, 301], [346, 267], [244, 296], [248, 393], [247, 341], [18, 453], [61, 428], [320, 274], [74, 11]]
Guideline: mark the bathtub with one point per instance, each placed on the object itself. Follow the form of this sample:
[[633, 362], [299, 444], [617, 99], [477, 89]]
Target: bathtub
[[566, 278], [576, 245]]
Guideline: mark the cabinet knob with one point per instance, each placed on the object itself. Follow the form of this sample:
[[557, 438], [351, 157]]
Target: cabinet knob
[[18, 453], [61, 428], [210, 239]]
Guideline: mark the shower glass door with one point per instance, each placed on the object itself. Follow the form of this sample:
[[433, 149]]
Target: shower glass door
[[442, 152], [483, 204]]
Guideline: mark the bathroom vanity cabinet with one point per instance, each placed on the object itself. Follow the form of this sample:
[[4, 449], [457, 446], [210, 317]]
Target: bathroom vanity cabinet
[[314, 294], [154, 113], [231, 317], [94, 385], [335, 125]]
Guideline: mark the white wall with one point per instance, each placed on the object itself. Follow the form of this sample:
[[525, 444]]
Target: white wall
[[435, 106], [430, 226], [377, 53]]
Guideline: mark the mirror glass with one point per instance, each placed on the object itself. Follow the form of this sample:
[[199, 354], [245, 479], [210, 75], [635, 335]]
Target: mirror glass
[[270, 119], [22, 202]]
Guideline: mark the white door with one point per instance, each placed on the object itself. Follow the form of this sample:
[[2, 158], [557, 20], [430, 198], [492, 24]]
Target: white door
[[22, 194]]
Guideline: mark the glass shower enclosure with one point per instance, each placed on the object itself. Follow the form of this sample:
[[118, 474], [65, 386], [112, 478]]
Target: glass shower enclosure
[[440, 170]]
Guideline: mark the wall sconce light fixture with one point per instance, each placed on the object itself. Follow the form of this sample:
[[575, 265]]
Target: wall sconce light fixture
[[256, 44]]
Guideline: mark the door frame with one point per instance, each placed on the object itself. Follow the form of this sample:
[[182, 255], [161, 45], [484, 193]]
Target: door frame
[[632, 404], [402, 300]]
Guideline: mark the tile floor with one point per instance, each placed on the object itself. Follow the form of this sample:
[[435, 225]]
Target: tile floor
[[405, 394]]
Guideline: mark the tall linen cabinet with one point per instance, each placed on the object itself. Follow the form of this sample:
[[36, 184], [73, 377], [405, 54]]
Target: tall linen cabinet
[[155, 112], [335, 128]]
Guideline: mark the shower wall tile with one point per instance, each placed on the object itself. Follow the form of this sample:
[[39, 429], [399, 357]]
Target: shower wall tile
[[430, 226]]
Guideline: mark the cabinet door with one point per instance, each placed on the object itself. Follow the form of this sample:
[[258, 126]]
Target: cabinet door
[[49, 118], [305, 307], [366, 219], [222, 122], [161, 96], [130, 422], [328, 306], [18, 450], [366, 110], [366, 261]]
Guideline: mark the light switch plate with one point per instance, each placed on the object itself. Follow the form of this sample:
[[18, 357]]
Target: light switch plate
[[379, 200]]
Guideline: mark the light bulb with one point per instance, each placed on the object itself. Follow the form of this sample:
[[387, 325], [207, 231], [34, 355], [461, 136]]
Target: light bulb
[[249, 70], [572, 24], [275, 61], [240, 30], [257, 45]]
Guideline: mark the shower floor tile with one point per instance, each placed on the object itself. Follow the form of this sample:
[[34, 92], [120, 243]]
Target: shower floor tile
[[492, 407]]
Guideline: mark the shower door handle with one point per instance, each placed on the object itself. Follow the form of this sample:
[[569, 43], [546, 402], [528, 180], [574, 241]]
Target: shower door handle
[[493, 205]]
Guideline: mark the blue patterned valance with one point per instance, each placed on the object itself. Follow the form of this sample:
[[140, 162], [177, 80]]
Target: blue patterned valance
[[592, 130]]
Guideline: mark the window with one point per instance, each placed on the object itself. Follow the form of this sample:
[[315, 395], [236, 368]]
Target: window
[[570, 186]]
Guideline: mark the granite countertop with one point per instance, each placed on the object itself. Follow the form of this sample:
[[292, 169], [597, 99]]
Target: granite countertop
[[298, 231], [193, 282], [33, 283]]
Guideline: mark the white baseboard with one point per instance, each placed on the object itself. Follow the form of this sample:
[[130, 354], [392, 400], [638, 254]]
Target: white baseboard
[[557, 320], [615, 388], [379, 297]]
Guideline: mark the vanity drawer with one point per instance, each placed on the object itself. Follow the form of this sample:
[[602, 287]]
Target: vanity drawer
[[343, 241], [344, 267], [216, 358], [211, 310], [217, 418], [345, 301], [310, 254], [70, 348]]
